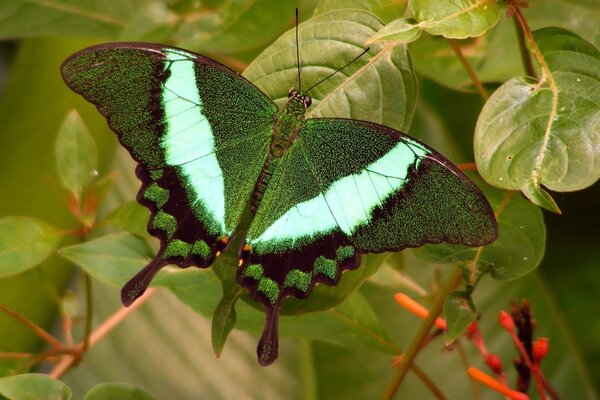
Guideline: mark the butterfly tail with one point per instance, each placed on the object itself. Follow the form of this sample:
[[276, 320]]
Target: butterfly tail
[[137, 285], [268, 346]]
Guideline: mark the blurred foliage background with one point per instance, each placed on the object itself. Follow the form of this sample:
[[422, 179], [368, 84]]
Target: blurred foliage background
[[164, 347]]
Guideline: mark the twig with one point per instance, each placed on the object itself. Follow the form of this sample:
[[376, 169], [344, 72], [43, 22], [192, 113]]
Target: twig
[[47, 337], [415, 346], [478, 85], [89, 298], [108, 325], [525, 56]]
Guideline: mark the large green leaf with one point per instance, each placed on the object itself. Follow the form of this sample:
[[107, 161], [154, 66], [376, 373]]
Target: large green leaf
[[33, 387], [25, 18], [24, 243], [238, 25], [547, 132], [76, 155], [380, 86]]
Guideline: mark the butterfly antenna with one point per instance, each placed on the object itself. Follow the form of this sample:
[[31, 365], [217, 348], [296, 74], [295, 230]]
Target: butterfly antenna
[[336, 71], [298, 54]]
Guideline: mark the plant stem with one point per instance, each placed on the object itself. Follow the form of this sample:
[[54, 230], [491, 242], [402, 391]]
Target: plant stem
[[47, 337], [525, 56], [102, 330], [426, 325], [89, 298], [465, 361], [478, 85], [430, 384]]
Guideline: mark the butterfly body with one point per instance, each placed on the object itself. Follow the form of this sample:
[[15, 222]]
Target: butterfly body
[[322, 191]]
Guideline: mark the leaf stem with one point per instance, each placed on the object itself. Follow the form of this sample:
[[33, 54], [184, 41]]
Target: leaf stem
[[426, 325], [39, 331], [102, 330], [478, 85]]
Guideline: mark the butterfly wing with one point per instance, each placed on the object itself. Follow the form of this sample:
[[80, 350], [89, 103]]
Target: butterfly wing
[[347, 187], [200, 133]]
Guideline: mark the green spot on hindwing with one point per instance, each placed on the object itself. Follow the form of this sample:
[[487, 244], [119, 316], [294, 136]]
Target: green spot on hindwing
[[165, 222], [177, 248], [269, 288], [325, 267], [201, 249], [298, 279], [156, 174], [157, 195], [254, 271], [344, 252]]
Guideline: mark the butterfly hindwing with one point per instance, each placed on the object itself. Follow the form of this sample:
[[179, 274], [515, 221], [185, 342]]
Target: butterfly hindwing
[[199, 131], [348, 187]]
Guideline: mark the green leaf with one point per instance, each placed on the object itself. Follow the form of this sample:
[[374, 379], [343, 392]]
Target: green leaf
[[458, 19], [238, 25], [402, 30], [24, 18], [518, 250], [130, 217], [25, 242], [532, 133], [113, 259], [76, 155], [117, 391], [33, 386], [387, 10], [224, 318], [384, 76], [459, 313], [434, 58]]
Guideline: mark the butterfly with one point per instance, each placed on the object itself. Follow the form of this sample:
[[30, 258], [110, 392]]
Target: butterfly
[[322, 192]]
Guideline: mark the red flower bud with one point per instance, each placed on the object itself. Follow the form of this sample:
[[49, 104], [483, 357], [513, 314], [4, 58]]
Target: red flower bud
[[494, 362], [540, 349], [506, 321]]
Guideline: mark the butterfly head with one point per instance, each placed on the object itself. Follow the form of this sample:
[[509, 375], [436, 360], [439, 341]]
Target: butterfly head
[[301, 98]]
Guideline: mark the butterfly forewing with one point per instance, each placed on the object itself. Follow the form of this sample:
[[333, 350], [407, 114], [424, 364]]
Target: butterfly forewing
[[199, 131]]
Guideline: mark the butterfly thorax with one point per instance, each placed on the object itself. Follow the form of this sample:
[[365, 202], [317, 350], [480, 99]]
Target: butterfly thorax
[[287, 124]]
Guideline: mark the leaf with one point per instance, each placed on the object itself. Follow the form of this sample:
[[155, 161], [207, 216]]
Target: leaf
[[384, 9], [518, 250], [458, 19], [113, 259], [224, 318], [238, 25], [459, 313], [401, 30], [76, 155], [130, 217], [33, 386], [547, 133], [118, 391], [384, 76], [25, 18], [434, 58], [25, 242]]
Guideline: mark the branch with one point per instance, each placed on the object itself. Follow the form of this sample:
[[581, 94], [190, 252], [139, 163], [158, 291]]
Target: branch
[[478, 85], [47, 337], [108, 325]]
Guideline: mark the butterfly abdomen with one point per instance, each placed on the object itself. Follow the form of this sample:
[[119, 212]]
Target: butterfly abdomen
[[288, 123]]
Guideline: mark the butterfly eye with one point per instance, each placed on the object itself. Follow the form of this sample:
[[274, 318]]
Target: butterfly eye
[[307, 101], [292, 93]]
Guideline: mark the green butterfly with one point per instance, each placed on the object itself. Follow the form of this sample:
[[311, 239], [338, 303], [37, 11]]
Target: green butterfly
[[322, 191]]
